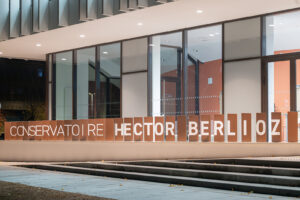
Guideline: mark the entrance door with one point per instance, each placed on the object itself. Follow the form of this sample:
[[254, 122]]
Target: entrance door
[[282, 85]]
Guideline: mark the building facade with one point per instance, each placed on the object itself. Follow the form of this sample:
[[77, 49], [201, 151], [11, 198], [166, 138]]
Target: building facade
[[206, 61], [247, 65]]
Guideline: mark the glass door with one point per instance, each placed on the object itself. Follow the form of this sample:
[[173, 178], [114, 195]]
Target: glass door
[[298, 92], [282, 93], [279, 92]]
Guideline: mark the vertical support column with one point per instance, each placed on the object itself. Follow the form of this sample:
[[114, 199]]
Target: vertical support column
[[155, 73], [149, 76], [97, 82], [293, 81], [74, 83], [185, 71], [53, 86]]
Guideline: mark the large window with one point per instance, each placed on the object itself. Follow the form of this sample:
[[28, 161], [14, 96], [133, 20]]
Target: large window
[[110, 81], [281, 36], [167, 74], [204, 71], [63, 81], [195, 88], [86, 84], [281, 33], [134, 78]]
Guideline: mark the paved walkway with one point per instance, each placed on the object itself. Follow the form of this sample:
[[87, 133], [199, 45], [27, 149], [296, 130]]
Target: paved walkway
[[117, 188]]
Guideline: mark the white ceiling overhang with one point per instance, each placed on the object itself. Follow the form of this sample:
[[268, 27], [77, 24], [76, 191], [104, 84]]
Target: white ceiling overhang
[[162, 18]]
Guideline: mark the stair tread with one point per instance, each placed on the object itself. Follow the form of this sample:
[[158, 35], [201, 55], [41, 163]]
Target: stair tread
[[215, 164], [169, 176], [205, 171]]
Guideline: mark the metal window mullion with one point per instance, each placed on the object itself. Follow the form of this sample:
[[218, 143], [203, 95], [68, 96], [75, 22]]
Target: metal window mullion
[[98, 82], [74, 84], [293, 82], [184, 67], [53, 86]]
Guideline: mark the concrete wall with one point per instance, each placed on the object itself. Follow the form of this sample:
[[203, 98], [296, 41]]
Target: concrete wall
[[92, 151]]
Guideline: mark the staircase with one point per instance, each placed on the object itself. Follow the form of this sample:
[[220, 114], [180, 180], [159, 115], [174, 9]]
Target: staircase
[[247, 175]]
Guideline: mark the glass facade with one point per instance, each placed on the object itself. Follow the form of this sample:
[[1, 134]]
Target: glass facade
[[281, 33], [134, 77], [110, 81], [204, 70], [86, 83], [63, 86], [242, 66], [167, 74]]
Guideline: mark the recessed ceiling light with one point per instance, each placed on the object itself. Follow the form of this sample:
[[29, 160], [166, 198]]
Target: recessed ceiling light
[[38, 45], [140, 24], [1, 52], [82, 36], [151, 45], [199, 11], [63, 59], [105, 52], [272, 25], [211, 35]]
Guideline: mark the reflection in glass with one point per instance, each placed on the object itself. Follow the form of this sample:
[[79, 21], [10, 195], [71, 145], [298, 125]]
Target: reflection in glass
[[63, 86], [279, 91], [86, 93], [166, 74], [110, 80], [298, 93], [281, 33], [204, 71]]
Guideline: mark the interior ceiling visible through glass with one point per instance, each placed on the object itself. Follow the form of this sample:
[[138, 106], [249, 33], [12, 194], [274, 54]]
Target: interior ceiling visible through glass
[[286, 30], [110, 59]]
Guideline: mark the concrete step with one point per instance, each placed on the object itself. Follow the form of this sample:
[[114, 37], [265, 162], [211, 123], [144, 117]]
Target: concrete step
[[201, 182], [255, 162], [280, 171], [219, 175]]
